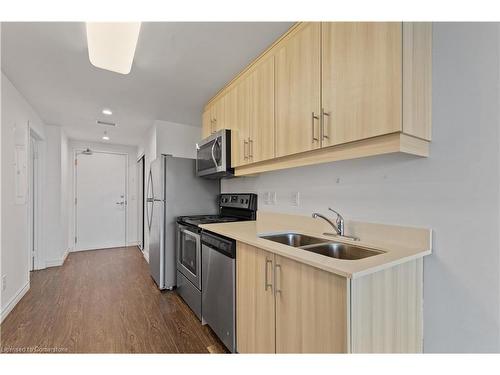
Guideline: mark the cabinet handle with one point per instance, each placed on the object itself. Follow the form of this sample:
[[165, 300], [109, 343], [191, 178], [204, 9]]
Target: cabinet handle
[[313, 117], [250, 147], [323, 115], [215, 123], [266, 282], [245, 143], [276, 268]]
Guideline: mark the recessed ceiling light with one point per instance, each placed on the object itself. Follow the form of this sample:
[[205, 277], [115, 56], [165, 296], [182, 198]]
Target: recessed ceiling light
[[112, 45], [105, 136], [107, 111]]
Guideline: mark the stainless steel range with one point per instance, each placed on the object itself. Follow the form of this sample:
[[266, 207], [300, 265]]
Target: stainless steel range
[[206, 266]]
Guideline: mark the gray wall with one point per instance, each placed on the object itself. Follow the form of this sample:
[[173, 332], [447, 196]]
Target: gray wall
[[455, 191]]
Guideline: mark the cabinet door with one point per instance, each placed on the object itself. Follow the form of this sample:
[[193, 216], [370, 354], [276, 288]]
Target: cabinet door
[[243, 119], [206, 121], [255, 314], [311, 309], [261, 146], [230, 108], [361, 80], [218, 114], [298, 91]]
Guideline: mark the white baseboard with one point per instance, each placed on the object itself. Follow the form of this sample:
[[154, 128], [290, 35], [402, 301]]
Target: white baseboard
[[146, 256], [133, 243], [13, 302]]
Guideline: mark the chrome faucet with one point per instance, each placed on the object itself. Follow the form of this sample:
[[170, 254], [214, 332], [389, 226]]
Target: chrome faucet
[[338, 226]]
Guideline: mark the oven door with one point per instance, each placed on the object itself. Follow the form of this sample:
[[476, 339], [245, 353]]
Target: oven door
[[189, 255], [211, 158]]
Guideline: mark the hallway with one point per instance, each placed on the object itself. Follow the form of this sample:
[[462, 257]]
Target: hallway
[[103, 301]]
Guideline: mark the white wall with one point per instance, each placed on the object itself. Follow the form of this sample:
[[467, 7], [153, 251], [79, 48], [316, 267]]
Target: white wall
[[132, 215], [177, 139], [455, 191], [55, 204], [166, 138], [14, 246]]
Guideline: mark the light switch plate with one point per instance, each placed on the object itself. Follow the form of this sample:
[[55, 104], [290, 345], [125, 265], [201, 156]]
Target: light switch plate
[[267, 197], [295, 199]]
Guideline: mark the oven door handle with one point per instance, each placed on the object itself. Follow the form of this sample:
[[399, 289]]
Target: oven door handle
[[189, 233]]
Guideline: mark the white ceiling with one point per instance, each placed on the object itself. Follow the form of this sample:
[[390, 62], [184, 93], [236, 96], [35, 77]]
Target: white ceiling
[[177, 68]]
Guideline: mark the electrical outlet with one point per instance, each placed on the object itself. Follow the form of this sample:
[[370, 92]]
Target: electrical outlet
[[266, 197], [4, 283], [295, 198]]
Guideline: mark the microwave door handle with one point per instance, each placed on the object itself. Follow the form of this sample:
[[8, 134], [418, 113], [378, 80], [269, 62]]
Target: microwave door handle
[[213, 155]]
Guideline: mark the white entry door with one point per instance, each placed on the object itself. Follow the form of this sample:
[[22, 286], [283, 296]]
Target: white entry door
[[101, 180]]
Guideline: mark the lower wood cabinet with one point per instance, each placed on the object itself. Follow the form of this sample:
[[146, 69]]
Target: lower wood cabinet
[[285, 306], [255, 317]]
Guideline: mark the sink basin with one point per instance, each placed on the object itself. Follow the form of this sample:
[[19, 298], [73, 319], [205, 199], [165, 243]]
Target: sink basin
[[341, 251], [294, 239]]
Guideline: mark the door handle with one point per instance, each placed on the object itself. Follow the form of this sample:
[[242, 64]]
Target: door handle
[[323, 128], [245, 156], [266, 282], [276, 268], [122, 203], [250, 147], [313, 117]]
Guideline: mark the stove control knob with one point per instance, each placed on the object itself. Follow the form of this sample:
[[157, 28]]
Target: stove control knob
[[242, 200]]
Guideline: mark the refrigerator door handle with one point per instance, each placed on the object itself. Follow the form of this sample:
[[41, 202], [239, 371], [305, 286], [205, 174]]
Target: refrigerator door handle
[[150, 200]]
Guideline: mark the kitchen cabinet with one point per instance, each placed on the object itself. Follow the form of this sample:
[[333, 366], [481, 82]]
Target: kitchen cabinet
[[250, 115], [298, 90], [213, 118], [255, 319], [331, 91], [311, 309], [285, 306], [261, 101], [241, 126], [206, 121], [361, 80]]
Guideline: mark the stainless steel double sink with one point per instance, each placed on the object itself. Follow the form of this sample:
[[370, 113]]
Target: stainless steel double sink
[[322, 246]]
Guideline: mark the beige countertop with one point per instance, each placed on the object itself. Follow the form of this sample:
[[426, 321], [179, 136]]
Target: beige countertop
[[398, 244]]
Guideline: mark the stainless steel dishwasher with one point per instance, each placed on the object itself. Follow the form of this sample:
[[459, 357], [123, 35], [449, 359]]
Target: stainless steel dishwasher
[[219, 287]]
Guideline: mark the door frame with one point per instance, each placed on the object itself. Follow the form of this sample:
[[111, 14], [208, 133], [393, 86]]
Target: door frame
[[142, 181], [35, 219], [77, 152]]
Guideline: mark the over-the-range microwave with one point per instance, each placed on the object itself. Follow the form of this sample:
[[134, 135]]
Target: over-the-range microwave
[[213, 155]]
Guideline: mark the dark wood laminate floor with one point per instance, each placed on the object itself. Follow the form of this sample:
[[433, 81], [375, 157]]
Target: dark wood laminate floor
[[103, 301]]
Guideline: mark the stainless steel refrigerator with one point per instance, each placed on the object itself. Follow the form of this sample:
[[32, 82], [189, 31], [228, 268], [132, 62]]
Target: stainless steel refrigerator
[[173, 190]]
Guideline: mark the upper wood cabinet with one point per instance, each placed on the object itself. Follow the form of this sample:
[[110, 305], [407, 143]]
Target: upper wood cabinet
[[219, 115], [330, 91], [261, 100], [298, 90], [250, 115], [206, 121], [361, 80]]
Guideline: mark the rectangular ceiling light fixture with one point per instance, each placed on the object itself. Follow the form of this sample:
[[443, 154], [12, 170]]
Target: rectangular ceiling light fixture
[[112, 45]]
